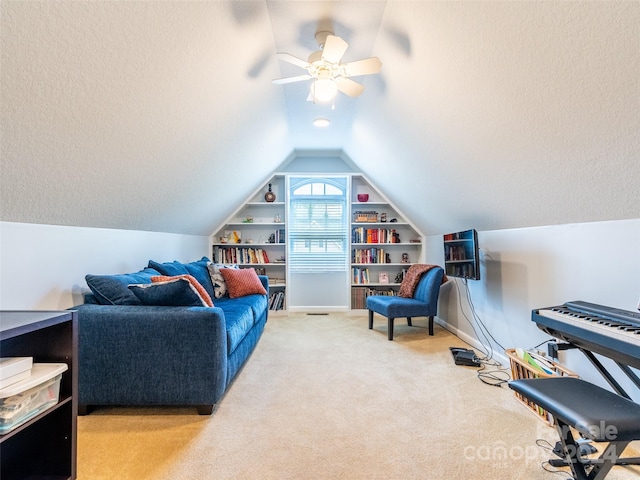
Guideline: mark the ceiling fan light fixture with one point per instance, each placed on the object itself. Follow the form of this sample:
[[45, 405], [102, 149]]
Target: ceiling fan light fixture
[[324, 90], [321, 122]]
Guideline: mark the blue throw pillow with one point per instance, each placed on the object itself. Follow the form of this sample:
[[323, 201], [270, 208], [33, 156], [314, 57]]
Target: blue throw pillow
[[197, 270], [172, 293], [112, 289]]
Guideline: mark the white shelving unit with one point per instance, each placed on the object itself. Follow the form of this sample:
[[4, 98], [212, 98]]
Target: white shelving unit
[[398, 240], [254, 222], [254, 237]]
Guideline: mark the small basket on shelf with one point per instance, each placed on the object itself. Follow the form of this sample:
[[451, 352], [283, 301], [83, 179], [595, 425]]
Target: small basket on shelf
[[521, 369]]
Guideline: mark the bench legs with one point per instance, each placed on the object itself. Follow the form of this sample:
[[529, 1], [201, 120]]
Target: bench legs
[[585, 468]]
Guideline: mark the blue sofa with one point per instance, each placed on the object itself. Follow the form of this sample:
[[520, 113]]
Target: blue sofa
[[131, 353]]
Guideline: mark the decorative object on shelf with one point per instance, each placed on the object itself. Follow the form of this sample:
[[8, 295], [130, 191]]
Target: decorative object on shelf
[[399, 277], [368, 216], [383, 277], [270, 196], [405, 258], [248, 219], [233, 236], [394, 220], [276, 218], [383, 217], [224, 239], [363, 197], [272, 238]]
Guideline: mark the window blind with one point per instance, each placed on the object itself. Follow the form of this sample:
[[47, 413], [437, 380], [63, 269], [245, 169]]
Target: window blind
[[317, 230]]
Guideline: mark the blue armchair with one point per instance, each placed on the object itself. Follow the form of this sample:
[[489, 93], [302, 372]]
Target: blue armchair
[[423, 304]]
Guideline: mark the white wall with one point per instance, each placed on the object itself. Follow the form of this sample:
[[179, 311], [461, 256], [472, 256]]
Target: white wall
[[43, 266], [527, 268]]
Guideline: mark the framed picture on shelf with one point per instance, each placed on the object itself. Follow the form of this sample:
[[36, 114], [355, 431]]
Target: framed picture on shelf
[[383, 277]]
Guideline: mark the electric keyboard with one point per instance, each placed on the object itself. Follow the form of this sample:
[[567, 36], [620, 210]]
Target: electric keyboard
[[608, 331]]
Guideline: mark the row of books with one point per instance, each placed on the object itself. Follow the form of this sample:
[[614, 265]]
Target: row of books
[[465, 270], [276, 300], [359, 295], [374, 235], [455, 252], [360, 275], [370, 255], [536, 361], [239, 255]]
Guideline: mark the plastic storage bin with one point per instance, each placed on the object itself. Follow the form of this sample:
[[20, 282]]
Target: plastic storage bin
[[521, 369], [26, 399]]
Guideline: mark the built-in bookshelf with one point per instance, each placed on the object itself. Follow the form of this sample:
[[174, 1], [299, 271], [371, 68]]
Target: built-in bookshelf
[[254, 237], [384, 244]]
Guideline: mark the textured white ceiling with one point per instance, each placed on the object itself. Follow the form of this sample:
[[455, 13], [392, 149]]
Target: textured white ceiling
[[162, 116]]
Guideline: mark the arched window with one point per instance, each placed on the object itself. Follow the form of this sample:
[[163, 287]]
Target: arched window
[[317, 224]]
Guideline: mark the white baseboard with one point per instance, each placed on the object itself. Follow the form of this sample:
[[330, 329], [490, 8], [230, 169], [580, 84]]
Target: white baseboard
[[498, 355], [318, 310]]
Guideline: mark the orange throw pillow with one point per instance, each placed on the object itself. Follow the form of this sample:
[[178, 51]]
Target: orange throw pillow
[[196, 284], [241, 282]]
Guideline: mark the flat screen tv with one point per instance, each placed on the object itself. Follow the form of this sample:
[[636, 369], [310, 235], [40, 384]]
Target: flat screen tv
[[461, 257]]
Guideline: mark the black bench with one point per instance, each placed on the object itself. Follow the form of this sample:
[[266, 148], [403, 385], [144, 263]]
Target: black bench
[[595, 413]]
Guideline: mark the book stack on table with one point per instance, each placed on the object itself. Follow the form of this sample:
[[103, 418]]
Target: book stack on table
[[14, 370]]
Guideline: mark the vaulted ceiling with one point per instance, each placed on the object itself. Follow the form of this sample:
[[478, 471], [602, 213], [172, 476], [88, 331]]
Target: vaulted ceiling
[[162, 115]]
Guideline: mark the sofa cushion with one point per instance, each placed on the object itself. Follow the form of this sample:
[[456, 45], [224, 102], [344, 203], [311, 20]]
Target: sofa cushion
[[194, 283], [176, 292], [219, 285], [112, 289], [239, 319], [258, 304], [242, 282], [196, 269]]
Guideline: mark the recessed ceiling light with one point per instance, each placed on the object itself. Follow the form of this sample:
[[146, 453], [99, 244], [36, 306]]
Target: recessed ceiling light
[[321, 122]]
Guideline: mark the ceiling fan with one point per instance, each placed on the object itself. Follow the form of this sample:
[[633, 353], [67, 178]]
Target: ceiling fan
[[328, 74]]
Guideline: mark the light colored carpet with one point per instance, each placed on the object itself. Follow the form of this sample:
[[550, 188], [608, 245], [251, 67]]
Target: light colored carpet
[[324, 397]]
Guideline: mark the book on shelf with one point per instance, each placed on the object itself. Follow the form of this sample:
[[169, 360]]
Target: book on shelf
[[276, 300], [359, 295], [248, 255], [369, 255], [374, 235]]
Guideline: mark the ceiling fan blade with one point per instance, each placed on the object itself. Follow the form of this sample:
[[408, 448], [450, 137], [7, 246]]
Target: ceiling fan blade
[[334, 48], [287, 57], [281, 81], [362, 67], [349, 87]]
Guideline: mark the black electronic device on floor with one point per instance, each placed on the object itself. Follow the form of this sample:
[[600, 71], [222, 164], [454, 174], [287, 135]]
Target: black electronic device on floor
[[465, 356]]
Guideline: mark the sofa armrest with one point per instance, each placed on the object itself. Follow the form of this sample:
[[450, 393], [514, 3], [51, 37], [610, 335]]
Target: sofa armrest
[[132, 355], [265, 282]]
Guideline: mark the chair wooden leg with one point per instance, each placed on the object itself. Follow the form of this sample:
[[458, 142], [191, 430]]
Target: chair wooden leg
[[431, 325], [370, 319], [409, 321], [390, 327]]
